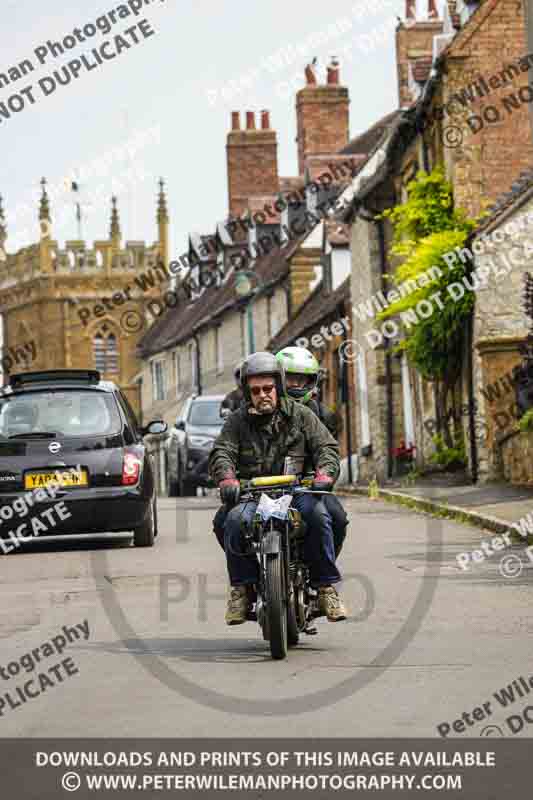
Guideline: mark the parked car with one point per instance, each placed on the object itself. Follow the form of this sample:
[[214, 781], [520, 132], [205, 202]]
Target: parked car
[[197, 426], [71, 430]]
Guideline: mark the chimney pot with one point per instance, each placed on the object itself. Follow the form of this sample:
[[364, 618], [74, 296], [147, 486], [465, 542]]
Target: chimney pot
[[250, 121], [410, 9], [310, 75], [235, 121], [265, 120], [333, 72]]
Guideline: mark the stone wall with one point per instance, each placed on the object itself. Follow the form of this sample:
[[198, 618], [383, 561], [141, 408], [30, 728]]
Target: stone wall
[[517, 458], [500, 326], [486, 154]]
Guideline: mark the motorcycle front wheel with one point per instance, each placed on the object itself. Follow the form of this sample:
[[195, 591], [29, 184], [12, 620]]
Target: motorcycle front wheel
[[276, 606]]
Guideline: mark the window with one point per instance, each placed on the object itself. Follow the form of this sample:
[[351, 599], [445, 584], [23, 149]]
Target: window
[[340, 374], [158, 380], [194, 371], [61, 413], [105, 350], [363, 400], [243, 335], [205, 412], [177, 372], [219, 353]]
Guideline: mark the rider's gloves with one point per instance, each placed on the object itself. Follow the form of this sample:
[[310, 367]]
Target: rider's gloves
[[230, 490], [322, 482]]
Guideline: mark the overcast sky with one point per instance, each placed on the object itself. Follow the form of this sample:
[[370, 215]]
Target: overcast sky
[[174, 87]]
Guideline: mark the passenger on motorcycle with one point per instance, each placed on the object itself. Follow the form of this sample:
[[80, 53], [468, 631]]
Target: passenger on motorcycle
[[257, 440], [301, 376]]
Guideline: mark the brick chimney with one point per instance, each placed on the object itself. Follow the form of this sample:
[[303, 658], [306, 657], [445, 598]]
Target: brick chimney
[[252, 157], [414, 40], [322, 115]]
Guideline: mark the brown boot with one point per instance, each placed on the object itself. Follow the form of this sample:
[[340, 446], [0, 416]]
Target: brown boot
[[237, 607], [330, 604]]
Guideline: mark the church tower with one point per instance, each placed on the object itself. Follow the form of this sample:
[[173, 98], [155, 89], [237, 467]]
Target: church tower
[[80, 306]]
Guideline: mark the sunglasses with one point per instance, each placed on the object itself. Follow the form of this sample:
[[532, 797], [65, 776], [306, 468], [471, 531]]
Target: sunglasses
[[256, 390]]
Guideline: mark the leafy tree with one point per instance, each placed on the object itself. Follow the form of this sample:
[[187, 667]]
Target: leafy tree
[[426, 228]]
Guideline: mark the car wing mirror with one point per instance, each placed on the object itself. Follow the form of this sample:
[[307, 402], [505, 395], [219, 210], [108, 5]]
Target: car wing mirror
[[155, 428]]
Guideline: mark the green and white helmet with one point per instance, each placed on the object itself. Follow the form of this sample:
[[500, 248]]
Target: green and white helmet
[[300, 361]]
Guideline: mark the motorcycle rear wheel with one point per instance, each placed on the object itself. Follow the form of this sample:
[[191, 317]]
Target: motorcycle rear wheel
[[276, 606]]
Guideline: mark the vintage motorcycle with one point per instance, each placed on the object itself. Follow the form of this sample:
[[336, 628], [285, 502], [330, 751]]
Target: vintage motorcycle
[[285, 602]]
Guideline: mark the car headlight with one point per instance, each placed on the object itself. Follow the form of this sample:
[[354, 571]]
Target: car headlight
[[201, 441]]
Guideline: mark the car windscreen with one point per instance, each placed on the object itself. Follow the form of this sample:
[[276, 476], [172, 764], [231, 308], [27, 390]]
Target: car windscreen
[[205, 413], [62, 413]]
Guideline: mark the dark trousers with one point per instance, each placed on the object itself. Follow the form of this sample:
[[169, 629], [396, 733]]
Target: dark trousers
[[319, 551], [339, 521]]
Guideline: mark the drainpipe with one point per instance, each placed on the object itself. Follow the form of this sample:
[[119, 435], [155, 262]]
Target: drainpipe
[[347, 409], [528, 17], [388, 356], [425, 155], [471, 398]]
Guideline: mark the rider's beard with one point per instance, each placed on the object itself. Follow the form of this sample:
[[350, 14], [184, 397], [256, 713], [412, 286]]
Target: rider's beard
[[265, 406]]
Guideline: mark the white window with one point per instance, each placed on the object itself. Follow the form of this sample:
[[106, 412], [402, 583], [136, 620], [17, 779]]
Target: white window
[[177, 372], [158, 380], [219, 352], [408, 416], [194, 371], [363, 400], [244, 344], [105, 350]]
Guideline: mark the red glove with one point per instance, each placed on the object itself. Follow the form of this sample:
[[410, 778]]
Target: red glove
[[230, 490], [322, 482]]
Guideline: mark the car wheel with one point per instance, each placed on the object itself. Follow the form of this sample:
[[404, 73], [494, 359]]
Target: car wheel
[[144, 535]]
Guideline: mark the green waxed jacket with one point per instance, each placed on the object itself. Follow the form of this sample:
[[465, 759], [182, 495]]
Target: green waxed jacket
[[251, 446]]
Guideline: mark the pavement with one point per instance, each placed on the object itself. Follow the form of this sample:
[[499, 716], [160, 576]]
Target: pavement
[[425, 641], [495, 506]]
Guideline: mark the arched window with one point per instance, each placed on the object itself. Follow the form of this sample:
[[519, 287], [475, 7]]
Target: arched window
[[105, 350]]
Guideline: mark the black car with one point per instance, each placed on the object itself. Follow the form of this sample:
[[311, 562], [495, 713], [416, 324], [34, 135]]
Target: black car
[[190, 443], [70, 441]]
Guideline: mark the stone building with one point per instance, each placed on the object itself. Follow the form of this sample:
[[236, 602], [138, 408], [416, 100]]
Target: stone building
[[272, 237], [81, 307], [502, 250], [462, 84]]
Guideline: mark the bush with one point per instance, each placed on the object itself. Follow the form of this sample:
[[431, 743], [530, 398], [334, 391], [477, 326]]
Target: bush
[[448, 457], [526, 422]]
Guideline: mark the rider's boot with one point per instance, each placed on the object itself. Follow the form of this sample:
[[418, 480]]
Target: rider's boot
[[330, 604], [237, 607]]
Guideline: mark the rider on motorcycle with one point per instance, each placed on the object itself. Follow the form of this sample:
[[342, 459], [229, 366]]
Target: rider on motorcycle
[[301, 374], [257, 440]]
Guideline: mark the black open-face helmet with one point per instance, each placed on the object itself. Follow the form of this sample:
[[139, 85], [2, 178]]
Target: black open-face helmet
[[263, 364]]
